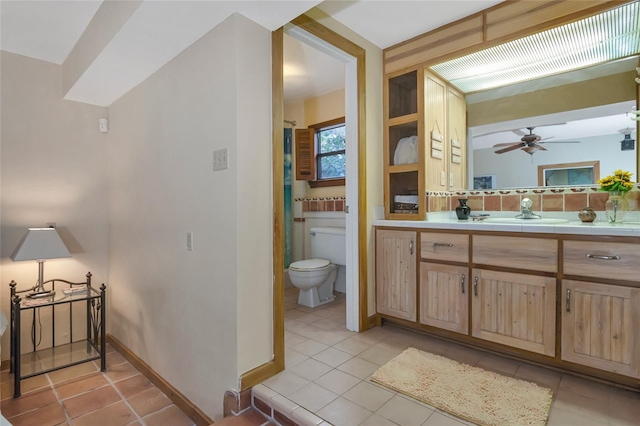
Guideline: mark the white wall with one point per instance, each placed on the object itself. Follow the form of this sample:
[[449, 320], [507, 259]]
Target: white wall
[[181, 311], [53, 169], [519, 169]]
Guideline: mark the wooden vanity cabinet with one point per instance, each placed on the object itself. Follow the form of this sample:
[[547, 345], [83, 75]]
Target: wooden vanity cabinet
[[396, 272], [444, 288], [600, 324], [512, 309], [515, 309], [601, 319], [444, 300]]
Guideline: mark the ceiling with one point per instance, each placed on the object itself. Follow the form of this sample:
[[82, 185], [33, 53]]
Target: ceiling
[[157, 31]]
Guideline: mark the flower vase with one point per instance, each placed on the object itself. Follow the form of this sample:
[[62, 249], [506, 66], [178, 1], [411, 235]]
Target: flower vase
[[616, 207], [463, 211]]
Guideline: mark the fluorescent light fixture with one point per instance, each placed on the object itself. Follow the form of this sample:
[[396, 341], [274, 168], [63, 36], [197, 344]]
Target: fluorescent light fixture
[[40, 244], [610, 35]]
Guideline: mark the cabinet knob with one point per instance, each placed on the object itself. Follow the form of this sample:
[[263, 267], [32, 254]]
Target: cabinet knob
[[462, 282], [411, 246], [568, 301]]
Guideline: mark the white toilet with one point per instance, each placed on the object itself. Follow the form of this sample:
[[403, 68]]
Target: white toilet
[[316, 277]]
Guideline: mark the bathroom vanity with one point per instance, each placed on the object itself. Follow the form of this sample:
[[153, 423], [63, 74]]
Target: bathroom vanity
[[566, 295]]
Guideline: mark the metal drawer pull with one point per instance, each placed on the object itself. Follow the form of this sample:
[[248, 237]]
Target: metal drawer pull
[[475, 286], [601, 257], [411, 247], [442, 245], [462, 283], [568, 301]]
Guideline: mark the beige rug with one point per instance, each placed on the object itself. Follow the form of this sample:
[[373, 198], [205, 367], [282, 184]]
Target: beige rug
[[474, 394]]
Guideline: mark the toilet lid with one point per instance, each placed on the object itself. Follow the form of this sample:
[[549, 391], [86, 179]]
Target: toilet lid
[[309, 264]]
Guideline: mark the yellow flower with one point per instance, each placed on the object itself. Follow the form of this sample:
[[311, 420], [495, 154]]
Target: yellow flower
[[620, 180]]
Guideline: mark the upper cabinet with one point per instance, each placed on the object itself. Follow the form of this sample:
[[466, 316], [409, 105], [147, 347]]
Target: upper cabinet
[[424, 141]]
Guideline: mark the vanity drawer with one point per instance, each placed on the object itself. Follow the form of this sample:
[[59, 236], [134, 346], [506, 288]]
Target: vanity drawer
[[602, 259], [536, 254], [444, 246]]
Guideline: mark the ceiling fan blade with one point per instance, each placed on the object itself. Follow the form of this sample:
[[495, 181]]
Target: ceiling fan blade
[[506, 144], [510, 148]]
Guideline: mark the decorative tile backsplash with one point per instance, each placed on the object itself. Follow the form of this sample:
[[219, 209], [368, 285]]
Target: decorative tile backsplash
[[544, 199], [322, 204]]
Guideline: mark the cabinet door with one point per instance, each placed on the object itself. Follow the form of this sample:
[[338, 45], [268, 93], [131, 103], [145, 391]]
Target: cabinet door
[[396, 273], [515, 310], [444, 301], [457, 139], [435, 132], [600, 326]]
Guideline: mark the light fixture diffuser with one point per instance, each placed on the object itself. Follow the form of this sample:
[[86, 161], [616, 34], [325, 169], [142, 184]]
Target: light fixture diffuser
[[610, 35]]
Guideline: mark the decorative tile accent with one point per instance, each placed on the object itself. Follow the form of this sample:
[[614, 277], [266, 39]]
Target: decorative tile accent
[[544, 199], [575, 202], [552, 203], [323, 204], [511, 203]]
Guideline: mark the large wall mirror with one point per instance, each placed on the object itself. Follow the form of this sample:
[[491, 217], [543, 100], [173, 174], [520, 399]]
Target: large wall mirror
[[577, 117], [602, 133]]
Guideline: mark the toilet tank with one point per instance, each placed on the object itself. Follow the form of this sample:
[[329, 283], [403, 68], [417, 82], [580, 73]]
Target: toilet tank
[[329, 243]]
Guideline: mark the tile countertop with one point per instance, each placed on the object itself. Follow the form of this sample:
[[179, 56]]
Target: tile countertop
[[444, 221]]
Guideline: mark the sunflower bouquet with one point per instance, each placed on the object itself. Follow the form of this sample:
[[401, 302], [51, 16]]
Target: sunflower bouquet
[[619, 181]]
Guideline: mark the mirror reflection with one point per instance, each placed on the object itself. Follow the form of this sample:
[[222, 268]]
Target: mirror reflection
[[543, 132]]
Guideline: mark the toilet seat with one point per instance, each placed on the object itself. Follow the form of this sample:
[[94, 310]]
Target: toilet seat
[[309, 265]]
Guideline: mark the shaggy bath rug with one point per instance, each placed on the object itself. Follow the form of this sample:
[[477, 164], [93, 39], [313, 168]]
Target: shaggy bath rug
[[474, 394]]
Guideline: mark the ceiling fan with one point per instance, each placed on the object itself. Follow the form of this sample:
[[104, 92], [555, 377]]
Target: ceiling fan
[[529, 143]]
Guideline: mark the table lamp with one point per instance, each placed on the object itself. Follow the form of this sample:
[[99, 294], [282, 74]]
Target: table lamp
[[40, 244]]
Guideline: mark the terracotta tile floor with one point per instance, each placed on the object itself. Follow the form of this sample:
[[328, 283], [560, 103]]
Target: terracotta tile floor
[[83, 396], [328, 370]]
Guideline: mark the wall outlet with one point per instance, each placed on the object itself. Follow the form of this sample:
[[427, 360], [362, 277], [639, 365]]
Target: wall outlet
[[103, 125], [189, 241], [220, 159]]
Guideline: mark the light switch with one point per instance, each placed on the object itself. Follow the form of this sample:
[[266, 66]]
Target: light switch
[[189, 241], [220, 159]]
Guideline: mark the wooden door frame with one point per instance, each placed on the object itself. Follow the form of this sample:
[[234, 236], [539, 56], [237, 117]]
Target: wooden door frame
[[271, 368]]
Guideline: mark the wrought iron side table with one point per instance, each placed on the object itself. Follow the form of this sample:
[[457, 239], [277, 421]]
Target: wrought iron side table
[[91, 346]]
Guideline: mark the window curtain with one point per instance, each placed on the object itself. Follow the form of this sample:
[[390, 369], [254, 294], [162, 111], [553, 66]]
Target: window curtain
[[288, 200]]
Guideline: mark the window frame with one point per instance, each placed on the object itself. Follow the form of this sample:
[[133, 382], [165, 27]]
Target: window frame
[[316, 129]]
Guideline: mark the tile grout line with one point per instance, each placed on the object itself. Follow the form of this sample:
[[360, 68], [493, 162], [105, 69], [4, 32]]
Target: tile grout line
[[112, 383], [55, 392]]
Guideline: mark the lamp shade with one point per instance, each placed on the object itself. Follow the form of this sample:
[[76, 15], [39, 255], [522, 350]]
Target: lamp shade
[[40, 243]]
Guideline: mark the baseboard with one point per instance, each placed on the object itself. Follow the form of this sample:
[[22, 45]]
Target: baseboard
[[190, 409], [259, 374], [374, 321]]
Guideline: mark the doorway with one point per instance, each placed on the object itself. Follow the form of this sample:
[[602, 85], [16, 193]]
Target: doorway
[[353, 58]]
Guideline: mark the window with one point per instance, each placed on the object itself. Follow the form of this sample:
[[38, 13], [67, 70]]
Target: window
[[321, 153], [330, 146]]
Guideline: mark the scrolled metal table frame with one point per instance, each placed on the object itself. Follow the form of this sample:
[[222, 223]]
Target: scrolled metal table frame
[[96, 322]]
